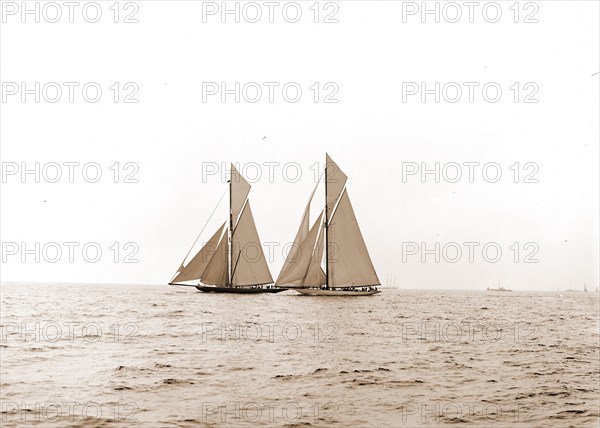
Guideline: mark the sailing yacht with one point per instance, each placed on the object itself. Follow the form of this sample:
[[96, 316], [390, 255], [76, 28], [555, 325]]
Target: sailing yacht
[[232, 261], [348, 267]]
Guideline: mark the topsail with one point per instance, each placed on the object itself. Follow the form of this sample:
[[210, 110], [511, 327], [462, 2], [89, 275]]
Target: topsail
[[249, 266]]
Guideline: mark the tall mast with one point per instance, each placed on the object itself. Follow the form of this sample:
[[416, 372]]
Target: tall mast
[[230, 252], [326, 233]]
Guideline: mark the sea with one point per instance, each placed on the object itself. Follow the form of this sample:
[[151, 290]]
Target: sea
[[94, 355]]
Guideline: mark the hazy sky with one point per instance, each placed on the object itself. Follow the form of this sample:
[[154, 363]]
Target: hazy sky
[[372, 62]]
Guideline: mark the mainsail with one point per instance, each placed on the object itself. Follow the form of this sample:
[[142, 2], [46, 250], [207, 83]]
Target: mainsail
[[349, 261], [196, 267], [248, 260]]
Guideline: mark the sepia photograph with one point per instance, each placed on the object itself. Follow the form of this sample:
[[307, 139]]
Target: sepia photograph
[[310, 213]]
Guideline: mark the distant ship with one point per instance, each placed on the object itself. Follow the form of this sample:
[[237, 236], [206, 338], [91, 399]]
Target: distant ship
[[500, 288], [570, 290]]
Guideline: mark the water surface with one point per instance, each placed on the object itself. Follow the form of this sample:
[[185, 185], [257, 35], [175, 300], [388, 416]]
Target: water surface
[[131, 355]]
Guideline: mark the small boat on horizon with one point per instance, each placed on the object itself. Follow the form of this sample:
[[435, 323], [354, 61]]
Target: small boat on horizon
[[220, 266], [500, 288], [348, 272], [571, 290]]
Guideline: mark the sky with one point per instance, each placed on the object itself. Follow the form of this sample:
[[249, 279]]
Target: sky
[[513, 107]]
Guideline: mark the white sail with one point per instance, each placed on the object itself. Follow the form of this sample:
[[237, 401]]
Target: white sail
[[300, 237], [239, 192], [349, 260], [217, 269], [296, 269], [195, 268], [336, 180], [303, 229], [315, 277], [247, 259]]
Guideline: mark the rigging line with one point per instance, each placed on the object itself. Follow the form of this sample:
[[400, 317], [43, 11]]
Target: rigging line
[[204, 227], [237, 223], [236, 265], [336, 204], [317, 184]]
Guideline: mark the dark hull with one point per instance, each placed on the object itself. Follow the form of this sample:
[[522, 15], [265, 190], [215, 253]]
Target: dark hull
[[320, 292], [238, 290]]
